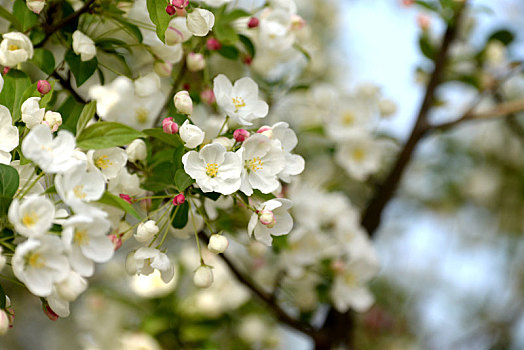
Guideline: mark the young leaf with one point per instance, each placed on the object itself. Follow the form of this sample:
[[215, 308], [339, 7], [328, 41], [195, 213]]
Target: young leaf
[[115, 201], [10, 18], [158, 133], [159, 16], [181, 215], [44, 60], [25, 16], [182, 180], [15, 84], [87, 114], [81, 70], [107, 134], [70, 111], [229, 52], [8, 186], [248, 44]]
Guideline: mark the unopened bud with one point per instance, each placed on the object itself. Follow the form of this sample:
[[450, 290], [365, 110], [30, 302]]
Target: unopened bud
[[136, 151], [247, 60], [171, 10], [266, 131], [53, 120], [195, 62], [43, 87], [213, 44], [49, 312], [208, 96], [169, 126], [126, 197], [297, 22], [4, 322], [253, 22], [203, 277], [180, 4], [117, 241], [70, 288], [267, 218], [183, 102], [240, 135], [146, 231], [217, 244], [164, 69], [423, 21], [179, 199]]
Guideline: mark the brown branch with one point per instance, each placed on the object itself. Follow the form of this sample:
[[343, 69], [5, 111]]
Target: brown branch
[[66, 84], [174, 90], [372, 214]]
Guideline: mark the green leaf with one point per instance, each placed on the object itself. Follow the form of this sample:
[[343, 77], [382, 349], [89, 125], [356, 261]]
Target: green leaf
[[235, 14], [182, 180], [10, 18], [248, 44], [107, 134], [3, 300], [44, 60], [48, 98], [177, 157], [159, 16], [87, 114], [162, 177], [115, 201], [25, 16], [181, 215], [70, 111], [31, 91], [9, 182], [503, 35], [229, 52], [225, 33], [130, 28], [426, 47], [159, 134], [81, 70], [430, 5], [50, 190], [15, 84]]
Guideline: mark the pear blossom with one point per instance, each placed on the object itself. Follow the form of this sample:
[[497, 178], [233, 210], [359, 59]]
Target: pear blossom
[[52, 155], [216, 3], [32, 114], [39, 263], [83, 46], [152, 286], [195, 62], [360, 156], [33, 216], [109, 161], [78, 186], [65, 292], [214, 169], [351, 117], [145, 260], [262, 160], [136, 151], [200, 21], [8, 135], [191, 134], [85, 239], [281, 222], [15, 48], [239, 101]]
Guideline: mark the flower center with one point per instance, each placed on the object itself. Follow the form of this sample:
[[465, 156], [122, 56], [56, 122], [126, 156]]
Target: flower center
[[103, 162], [29, 219], [238, 102], [348, 119], [254, 164], [358, 154], [36, 260], [78, 190], [212, 170], [81, 237], [141, 115], [13, 47], [350, 279]]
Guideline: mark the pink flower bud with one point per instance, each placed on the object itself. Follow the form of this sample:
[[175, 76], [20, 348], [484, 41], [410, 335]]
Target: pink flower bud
[[213, 44], [49, 312], [266, 131], [240, 135], [407, 2], [6, 70], [179, 199], [423, 21], [195, 62], [117, 241], [248, 60], [180, 4], [126, 197], [169, 126], [253, 22], [297, 22], [43, 87], [171, 10], [208, 96], [267, 218], [163, 69]]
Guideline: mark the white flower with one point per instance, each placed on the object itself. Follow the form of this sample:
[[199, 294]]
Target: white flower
[[32, 114], [71, 288], [1, 83], [146, 230], [281, 224], [8, 135], [136, 151], [183, 102], [85, 238], [294, 164], [214, 169], [15, 48], [262, 160], [152, 286], [145, 260], [53, 120], [138, 341], [239, 101], [177, 31], [217, 244], [203, 277], [125, 183], [191, 134], [35, 5], [33, 217], [195, 62], [200, 22], [4, 322], [77, 186], [360, 156], [83, 46], [25, 173], [109, 161], [351, 117], [39, 263], [52, 155]]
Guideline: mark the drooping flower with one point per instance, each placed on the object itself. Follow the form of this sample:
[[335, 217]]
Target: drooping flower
[[8, 135], [145, 260], [35, 5], [15, 48], [214, 169], [239, 101], [83, 46], [191, 134], [33, 216], [280, 224]]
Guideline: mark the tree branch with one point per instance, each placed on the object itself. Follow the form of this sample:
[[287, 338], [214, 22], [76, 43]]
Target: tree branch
[[385, 191]]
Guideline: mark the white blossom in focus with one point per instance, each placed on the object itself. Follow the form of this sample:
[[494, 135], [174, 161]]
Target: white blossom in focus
[[78, 186], [191, 134], [200, 21], [109, 161], [282, 225], [15, 48], [33, 216], [83, 46], [8, 135], [32, 114]]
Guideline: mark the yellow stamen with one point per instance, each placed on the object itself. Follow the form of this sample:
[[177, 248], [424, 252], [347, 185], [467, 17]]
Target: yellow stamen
[[13, 47], [141, 115], [238, 102], [29, 219], [103, 162], [36, 260], [81, 237], [254, 164], [350, 279], [212, 169], [348, 118], [78, 190], [358, 154]]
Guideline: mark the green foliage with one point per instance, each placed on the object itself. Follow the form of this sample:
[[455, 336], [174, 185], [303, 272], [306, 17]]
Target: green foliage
[[182, 180], [2, 298], [159, 16], [503, 35], [70, 111], [159, 134], [26, 17], [248, 44], [162, 177], [426, 47], [107, 134], [44, 60], [88, 112], [10, 18], [117, 202], [181, 215], [9, 182], [81, 70], [229, 52], [15, 84]]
